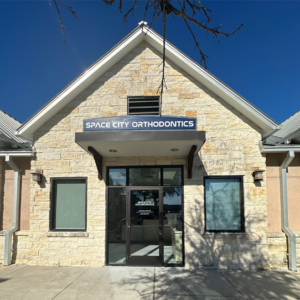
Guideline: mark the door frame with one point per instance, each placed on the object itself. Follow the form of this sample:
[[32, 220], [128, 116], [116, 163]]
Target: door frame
[[149, 261], [143, 187]]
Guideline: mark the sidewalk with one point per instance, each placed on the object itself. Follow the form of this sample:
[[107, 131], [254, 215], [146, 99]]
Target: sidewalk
[[70, 283]]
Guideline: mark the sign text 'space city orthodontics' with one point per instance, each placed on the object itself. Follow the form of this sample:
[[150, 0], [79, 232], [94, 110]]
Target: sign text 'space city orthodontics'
[[139, 123]]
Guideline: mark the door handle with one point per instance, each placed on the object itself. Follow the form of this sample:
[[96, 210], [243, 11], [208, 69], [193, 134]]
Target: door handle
[[158, 230]]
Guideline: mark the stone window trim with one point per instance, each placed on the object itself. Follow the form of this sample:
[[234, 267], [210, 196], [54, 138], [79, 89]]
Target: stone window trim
[[208, 235], [242, 215], [67, 234], [52, 207]]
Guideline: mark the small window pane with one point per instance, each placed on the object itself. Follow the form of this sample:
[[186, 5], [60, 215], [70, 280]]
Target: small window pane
[[173, 225], [117, 226], [117, 177], [223, 204], [70, 204], [172, 176], [144, 176]]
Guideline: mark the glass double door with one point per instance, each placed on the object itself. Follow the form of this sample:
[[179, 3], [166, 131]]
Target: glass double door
[[145, 226], [145, 216]]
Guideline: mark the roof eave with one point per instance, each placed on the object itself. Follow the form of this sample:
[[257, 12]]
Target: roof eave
[[266, 124], [212, 83], [80, 84]]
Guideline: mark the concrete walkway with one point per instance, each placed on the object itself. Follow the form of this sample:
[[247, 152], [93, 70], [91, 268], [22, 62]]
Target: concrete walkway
[[69, 283]]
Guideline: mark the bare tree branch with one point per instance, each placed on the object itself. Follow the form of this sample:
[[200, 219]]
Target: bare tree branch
[[163, 80], [135, 2], [203, 56], [188, 11], [215, 30], [62, 27]]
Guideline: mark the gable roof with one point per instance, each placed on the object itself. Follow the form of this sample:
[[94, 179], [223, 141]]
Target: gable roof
[[8, 126], [143, 32], [290, 130]]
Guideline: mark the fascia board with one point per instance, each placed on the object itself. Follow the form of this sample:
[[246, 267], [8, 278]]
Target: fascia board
[[79, 85], [219, 88]]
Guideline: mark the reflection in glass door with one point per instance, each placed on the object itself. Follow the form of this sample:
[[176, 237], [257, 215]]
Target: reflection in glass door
[[173, 225], [145, 227]]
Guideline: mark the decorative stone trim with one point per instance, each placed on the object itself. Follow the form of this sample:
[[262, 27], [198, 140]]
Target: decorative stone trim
[[275, 234], [281, 234], [67, 234], [18, 233], [209, 234], [22, 233]]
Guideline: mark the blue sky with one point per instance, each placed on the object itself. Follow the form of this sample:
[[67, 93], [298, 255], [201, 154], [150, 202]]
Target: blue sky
[[261, 62]]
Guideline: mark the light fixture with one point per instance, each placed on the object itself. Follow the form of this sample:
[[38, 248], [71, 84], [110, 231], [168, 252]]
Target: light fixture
[[37, 176], [113, 150], [258, 174], [174, 149]]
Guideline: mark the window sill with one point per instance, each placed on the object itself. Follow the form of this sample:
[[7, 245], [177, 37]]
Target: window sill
[[67, 234], [222, 234]]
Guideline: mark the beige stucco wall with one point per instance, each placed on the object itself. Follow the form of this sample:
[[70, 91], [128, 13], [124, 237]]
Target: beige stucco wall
[[20, 239], [232, 148], [8, 192], [1, 190], [277, 240]]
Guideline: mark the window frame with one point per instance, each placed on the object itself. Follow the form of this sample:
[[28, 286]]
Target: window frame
[[144, 98], [242, 200], [53, 206], [160, 167]]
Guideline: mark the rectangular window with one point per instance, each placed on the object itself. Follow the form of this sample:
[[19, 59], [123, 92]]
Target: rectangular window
[[143, 106], [224, 204], [116, 226], [172, 176], [145, 176], [117, 176], [68, 204], [173, 225]]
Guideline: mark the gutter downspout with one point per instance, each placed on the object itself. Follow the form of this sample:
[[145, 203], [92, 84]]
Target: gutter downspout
[[284, 212], [16, 212]]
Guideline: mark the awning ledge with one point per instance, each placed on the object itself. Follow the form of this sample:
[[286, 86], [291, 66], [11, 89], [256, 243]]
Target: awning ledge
[[142, 143]]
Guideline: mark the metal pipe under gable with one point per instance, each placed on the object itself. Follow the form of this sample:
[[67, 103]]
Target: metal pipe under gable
[[284, 212], [16, 212]]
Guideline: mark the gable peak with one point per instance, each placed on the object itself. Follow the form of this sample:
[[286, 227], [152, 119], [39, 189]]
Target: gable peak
[[143, 23]]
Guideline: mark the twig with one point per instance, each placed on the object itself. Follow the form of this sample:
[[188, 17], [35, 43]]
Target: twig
[[163, 80]]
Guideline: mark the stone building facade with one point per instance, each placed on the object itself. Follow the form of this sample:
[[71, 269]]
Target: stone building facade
[[231, 148]]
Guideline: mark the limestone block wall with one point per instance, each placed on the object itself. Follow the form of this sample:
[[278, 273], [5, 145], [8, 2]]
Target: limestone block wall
[[21, 245], [231, 148], [1, 246], [276, 238], [277, 244]]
